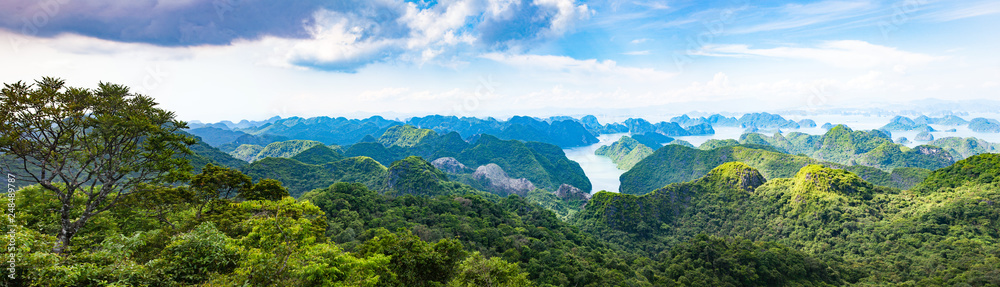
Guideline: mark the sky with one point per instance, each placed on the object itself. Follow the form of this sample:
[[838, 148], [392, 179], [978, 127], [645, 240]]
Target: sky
[[213, 60]]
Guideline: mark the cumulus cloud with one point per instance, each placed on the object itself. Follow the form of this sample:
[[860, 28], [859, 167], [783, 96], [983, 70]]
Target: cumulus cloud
[[509, 24], [325, 35]]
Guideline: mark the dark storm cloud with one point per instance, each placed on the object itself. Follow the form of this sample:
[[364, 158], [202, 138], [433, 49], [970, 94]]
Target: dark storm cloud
[[175, 23], [179, 22]]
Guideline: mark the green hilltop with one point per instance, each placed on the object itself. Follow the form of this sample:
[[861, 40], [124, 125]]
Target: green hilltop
[[283, 149], [687, 164], [625, 152], [318, 154], [845, 146], [411, 175], [862, 230], [961, 148], [404, 136]]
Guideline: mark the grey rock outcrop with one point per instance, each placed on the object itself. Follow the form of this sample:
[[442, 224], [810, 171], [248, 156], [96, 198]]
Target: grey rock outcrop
[[569, 192], [449, 165], [496, 180]]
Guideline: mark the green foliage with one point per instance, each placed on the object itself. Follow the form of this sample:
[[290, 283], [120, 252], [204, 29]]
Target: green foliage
[[359, 169], [194, 256], [795, 142], [544, 165], [203, 154], [844, 146], [246, 152], [35, 205], [716, 143], [688, 164], [816, 188], [100, 142], [961, 148], [625, 152], [318, 154], [766, 120], [216, 182], [681, 143], [257, 243], [560, 169], [215, 136], [414, 175], [548, 249], [477, 271], [404, 136], [981, 169], [809, 225], [279, 240], [900, 123], [414, 261], [983, 125], [266, 189], [376, 151], [284, 149], [900, 177], [753, 138], [563, 209], [716, 261], [562, 132], [652, 140], [865, 234], [298, 177]]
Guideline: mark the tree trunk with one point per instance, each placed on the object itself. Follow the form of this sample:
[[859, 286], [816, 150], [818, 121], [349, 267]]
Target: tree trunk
[[66, 234], [63, 240]]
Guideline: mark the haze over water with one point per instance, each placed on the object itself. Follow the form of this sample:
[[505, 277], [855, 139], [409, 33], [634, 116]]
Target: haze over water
[[602, 172]]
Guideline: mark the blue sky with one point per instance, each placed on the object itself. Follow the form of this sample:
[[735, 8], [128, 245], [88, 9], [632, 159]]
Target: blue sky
[[232, 59]]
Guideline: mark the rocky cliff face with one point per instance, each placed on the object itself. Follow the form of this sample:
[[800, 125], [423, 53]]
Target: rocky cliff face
[[569, 192], [496, 180], [449, 165]]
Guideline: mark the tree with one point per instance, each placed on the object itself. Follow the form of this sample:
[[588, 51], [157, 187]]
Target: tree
[[215, 182], [265, 189], [476, 270], [99, 144], [159, 201], [414, 261]]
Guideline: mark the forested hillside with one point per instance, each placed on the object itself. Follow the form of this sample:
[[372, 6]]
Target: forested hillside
[[877, 235], [105, 188], [689, 164]]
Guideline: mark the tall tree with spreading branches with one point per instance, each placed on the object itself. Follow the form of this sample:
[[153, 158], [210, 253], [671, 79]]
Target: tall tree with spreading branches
[[99, 144]]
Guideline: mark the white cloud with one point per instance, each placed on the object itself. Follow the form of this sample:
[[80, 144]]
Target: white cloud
[[334, 39], [639, 41], [637, 53], [568, 14], [438, 27], [585, 68], [844, 54], [342, 41]]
